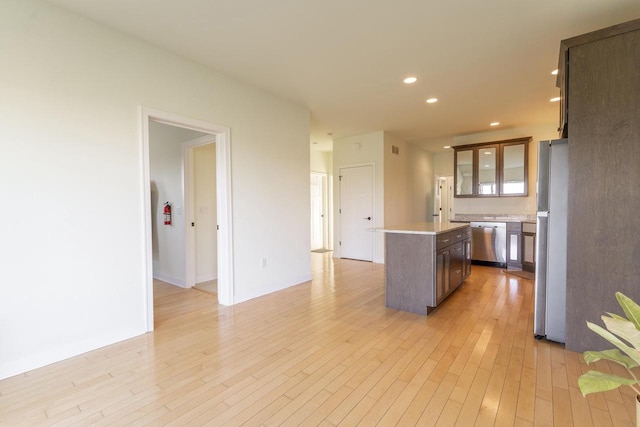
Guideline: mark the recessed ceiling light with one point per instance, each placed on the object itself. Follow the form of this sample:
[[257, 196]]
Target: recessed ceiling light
[[555, 72], [486, 166], [410, 80], [447, 146], [432, 100], [494, 124], [487, 152], [556, 99]]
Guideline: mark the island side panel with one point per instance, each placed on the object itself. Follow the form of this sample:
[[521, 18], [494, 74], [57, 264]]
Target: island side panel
[[409, 268]]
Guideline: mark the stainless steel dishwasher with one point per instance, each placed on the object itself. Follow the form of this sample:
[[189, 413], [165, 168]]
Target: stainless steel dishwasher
[[489, 243]]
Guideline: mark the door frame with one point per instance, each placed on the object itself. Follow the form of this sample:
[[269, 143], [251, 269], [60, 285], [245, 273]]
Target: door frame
[[189, 208], [223, 202]]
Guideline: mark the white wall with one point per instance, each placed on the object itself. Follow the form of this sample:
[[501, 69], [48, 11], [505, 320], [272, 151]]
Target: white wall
[[359, 150], [443, 165], [322, 161], [408, 183], [73, 229], [204, 165], [165, 166]]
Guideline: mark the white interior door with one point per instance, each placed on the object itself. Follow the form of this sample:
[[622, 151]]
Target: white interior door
[[443, 206], [199, 191], [317, 211], [205, 213], [447, 194], [437, 201], [356, 213], [444, 199]]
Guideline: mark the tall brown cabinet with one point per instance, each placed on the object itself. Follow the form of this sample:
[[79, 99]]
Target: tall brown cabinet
[[600, 83]]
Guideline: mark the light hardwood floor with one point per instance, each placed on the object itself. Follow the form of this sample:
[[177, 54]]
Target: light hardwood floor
[[324, 353]]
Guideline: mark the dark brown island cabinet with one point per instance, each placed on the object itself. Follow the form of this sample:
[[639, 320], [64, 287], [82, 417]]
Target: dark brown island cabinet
[[424, 263]]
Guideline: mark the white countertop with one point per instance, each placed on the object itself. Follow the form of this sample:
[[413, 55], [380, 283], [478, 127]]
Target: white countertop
[[495, 217], [423, 228]]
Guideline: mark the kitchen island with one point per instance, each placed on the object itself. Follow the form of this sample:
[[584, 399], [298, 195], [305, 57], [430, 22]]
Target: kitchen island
[[424, 263]]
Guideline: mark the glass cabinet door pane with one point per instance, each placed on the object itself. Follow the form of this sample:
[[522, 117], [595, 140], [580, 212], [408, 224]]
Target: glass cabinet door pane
[[487, 171], [464, 173], [529, 249], [513, 169], [513, 247]]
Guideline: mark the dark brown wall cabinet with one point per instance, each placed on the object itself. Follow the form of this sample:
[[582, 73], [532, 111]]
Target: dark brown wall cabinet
[[492, 169], [603, 116]]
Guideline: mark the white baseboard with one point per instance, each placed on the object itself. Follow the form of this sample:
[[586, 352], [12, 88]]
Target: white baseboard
[[170, 279], [206, 278], [274, 287]]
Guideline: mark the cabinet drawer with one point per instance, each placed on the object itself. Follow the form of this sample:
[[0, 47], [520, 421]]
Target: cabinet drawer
[[529, 227], [444, 240], [449, 238]]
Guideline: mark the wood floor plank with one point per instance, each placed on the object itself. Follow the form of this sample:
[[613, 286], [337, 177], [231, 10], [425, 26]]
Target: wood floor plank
[[417, 406], [492, 396], [326, 408], [472, 403], [437, 403], [401, 404], [526, 395], [543, 413], [324, 353], [507, 405], [562, 415]]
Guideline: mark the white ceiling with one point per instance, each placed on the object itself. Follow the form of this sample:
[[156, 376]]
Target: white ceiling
[[345, 59]]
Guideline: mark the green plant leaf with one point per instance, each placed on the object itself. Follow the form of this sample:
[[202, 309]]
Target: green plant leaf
[[616, 316], [594, 382], [631, 309], [624, 329], [615, 341], [612, 355]]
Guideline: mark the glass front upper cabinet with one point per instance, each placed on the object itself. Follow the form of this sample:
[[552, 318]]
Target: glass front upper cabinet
[[492, 169], [514, 169], [464, 172], [487, 170]]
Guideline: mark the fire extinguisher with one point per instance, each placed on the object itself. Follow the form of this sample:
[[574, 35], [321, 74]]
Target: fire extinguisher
[[167, 214]]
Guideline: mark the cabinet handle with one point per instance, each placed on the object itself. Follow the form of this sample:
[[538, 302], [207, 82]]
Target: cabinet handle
[[445, 241], [458, 271], [459, 236]]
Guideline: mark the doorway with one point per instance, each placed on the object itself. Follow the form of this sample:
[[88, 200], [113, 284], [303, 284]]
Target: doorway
[[201, 247], [223, 202], [356, 212], [319, 226]]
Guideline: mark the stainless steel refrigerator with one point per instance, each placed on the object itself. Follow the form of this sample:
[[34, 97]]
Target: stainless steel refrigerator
[[551, 240]]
